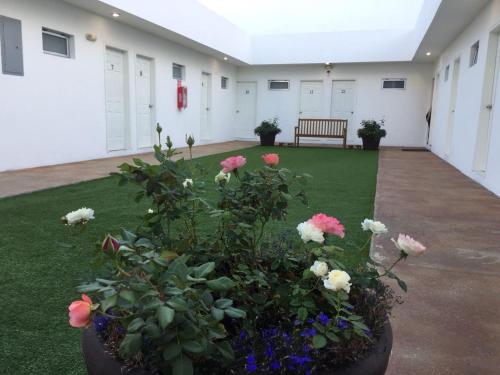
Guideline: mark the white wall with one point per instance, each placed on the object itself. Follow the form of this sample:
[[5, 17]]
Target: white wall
[[471, 102], [403, 110], [55, 113]]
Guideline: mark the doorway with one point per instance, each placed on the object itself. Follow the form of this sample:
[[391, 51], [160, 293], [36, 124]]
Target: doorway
[[311, 99], [452, 108], [115, 86], [144, 101], [205, 102], [246, 102], [343, 105]]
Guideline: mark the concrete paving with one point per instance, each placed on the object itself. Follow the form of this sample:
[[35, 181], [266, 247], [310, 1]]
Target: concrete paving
[[450, 320], [28, 180]]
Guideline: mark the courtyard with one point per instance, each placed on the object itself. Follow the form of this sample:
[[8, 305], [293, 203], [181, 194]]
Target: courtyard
[[262, 187]]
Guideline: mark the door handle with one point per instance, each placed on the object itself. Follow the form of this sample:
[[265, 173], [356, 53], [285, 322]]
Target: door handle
[[151, 106], [237, 111], [489, 106], [208, 109], [300, 112], [352, 112]]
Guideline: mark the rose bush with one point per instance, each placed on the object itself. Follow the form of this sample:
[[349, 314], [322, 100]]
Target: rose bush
[[171, 299]]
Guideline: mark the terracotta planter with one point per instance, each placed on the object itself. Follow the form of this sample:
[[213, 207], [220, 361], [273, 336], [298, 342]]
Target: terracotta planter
[[370, 143], [267, 139], [99, 362]]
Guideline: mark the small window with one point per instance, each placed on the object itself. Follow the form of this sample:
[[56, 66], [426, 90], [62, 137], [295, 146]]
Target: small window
[[279, 85], [390, 83], [223, 82], [56, 43], [446, 73], [178, 71], [474, 52]]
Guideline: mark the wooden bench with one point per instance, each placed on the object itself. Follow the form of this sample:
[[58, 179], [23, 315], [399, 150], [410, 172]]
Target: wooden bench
[[321, 128]]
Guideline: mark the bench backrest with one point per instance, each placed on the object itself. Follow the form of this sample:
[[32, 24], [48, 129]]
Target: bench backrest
[[323, 127]]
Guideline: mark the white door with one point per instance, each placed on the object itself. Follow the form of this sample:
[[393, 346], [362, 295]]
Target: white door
[[490, 112], [205, 131], [453, 105], [246, 102], [343, 104], [311, 99], [144, 101], [115, 100]]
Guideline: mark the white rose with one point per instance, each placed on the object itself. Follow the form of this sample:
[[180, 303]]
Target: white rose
[[409, 246], [338, 280], [150, 211], [222, 177], [309, 232], [320, 269], [81, 215], [187, 182], [375, 226]]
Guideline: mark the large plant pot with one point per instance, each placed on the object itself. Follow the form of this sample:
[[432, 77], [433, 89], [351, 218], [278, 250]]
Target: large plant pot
[[371, 143], [267, 139], [100, 362]]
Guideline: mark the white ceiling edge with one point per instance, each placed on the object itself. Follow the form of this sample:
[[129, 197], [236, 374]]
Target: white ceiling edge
[[189, 23], [448, 22]]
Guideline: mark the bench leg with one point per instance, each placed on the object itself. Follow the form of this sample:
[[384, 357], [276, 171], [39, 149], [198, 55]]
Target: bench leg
[[345, 142]]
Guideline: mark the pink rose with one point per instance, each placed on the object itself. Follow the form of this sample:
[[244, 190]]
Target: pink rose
[[110, 243], [271, 159], [328, 224], [232, 163], [79, 312], [409, 246]]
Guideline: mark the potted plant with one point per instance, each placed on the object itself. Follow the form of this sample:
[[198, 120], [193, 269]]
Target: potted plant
[[267, 131], [371, 132], [173, 299]]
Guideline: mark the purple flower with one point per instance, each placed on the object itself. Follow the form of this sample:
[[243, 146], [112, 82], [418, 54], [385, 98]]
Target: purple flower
[[300, 360], [308, 332], [275, 365], [101, 323], [251, 365], [343, 324], [269, 351], [323, 319]]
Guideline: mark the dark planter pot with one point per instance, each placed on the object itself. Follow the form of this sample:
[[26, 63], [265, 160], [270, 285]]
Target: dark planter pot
[[267, 139], [99, 362], [370, 143]]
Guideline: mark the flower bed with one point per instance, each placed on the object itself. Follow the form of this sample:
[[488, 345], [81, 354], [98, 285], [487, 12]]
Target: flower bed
[[241, 299]]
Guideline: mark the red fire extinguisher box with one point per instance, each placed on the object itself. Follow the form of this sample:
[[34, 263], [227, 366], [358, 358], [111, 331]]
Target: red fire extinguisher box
[[181, 96]]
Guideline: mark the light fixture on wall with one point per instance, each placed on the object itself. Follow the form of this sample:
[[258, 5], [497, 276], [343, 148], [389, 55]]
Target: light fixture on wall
[[225, 58], [328, 67], [428, 54], [91, 37], [115, 14]]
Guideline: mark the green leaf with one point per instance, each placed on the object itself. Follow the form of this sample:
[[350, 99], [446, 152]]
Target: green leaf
[[128, 296], [171, 351], [152, 330], [221, 284], [135, 325], [302, 313], [223, 303], [204, 269], [332, 337], [182, 366], [178, 304], [402, 285], [319, 341], [109, 302], [217, 314], [165, 316], [233, 312], [192, 346], [131, 345], [225, 349]]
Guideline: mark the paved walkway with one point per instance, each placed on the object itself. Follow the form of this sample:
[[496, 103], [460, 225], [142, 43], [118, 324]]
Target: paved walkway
[[450, 320], [28, 180]]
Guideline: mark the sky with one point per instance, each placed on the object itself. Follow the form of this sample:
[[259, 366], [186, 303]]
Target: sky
[[267, 17]]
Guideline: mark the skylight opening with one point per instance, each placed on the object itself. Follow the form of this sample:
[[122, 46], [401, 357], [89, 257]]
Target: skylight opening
[[267, 17]]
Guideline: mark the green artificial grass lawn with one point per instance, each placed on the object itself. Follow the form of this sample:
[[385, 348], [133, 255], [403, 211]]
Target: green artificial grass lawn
[[39, 272]]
